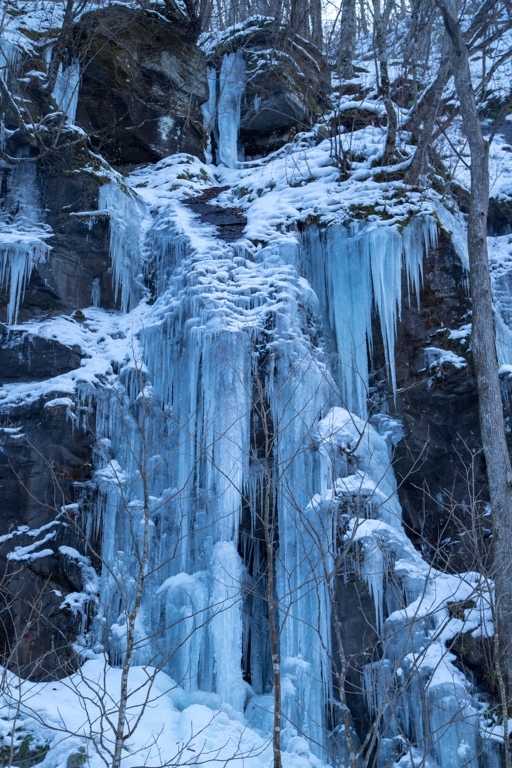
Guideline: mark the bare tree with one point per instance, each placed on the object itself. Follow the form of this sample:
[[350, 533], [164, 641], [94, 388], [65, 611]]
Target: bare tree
[[499, 470]]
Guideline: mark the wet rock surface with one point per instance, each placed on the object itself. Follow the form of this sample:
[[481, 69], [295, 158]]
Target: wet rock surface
[[229, 222]]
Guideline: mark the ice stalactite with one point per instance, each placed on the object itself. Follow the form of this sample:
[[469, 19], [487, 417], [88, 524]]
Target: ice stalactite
[[127, 228], [66, 89], [209, 109], [22, 235], [354, 269]]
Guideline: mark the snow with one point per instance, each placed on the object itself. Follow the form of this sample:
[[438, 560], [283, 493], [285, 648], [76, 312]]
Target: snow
[[437, 358], [75, 715]]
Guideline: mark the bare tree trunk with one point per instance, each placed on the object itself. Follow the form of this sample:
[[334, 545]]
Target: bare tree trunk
[[73, 8], [299, 18], [348, 37], [363, 20], [381, 23], [272, 617], [269, 532], [499, 471], [132, 612]]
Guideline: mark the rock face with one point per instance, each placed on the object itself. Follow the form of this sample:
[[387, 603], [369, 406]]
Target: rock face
[[438, 405], [286, 84], [65, 200], [143, 80]]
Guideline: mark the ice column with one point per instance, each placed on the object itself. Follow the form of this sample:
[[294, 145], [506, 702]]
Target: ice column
[[128, 224], [297, 391], [231, 90]]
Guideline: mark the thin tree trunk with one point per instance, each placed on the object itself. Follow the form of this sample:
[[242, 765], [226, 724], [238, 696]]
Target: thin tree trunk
[[73, 8], [269, 534], [299, 18], [499, 471], [315, 14], [133, 612], [272, 620]]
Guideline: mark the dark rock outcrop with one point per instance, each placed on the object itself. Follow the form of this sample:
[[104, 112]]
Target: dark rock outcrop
[[44, 469], [25, 357], [143, 80], [78, 237]]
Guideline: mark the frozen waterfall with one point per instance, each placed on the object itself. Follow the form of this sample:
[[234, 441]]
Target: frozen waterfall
[[226, 402], [358, 269]]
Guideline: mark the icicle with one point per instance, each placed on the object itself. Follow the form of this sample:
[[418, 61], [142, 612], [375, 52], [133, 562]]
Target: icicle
[[373, 571], [127, 226], [231, 90], [419, 236], [95, 292], [209, 108], [66, 89], [22, 235], [352, 269], [16, 265]]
